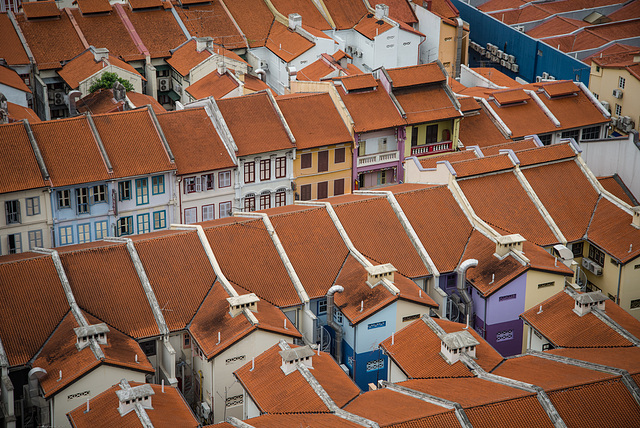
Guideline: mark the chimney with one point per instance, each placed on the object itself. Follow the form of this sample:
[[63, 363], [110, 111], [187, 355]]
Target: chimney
[[382, 11], [100, 54], [453, 344], [4, 109], [238, 303], [295, 21], [585, 301], [222, 69], [119, 92], [506, 243], [636, 217], [129, 397], [203, 43], [85, 334], [292, 356], [375, 274]]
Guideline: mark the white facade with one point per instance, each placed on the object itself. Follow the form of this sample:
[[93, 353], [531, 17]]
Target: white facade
[[206, 196], [25, 221], [134, 78], [265, 193], [14, 95]]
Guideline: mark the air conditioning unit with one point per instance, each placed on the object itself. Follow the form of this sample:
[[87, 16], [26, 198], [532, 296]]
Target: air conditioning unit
[[359, 54], [511, 58], [515, 68], [597, 270], [177, 88], [606, 105], [538, 79], [617, 93], [545, 75], [489, 46], [552, 78], [500, 54], [508, 65], [586, 263], [483, 51], [520, 28], [164, 84], [592, 266], [487, 53], [503, 63], [614, 122], [626, 120], [58, 98]]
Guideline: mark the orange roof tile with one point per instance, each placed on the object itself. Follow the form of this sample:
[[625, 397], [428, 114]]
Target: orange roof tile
[[314, 120], [478, 166], [313, 246], [144, 4], [12, 79], [524, 119], [187, 57], [345, 14], [371, 110], [487, 195], [41, 9], [446, 419], [417, 343], [11, 48], [567, 195], [68, 164], [416, 75], [521, 412], [436, 217], [444, 8], [388, 407], [129, 137], [496, 76], [84, 66], [158, 30], [540, 259], [370, 241], [547, 374], [114, 296], [60, 354], [212, 20], [139, 100], [19, 168], [479, 130], [17, 112], [251, 115], [362, 81], [622, 358], [492, 5], [516, 146], [33, 280], [510, 96], [169, 410], [614, 55], [317, 70], [213, 85], [370, 27], [306, 9], [275, 392], [557, 25], [610, 403], [468, 104], [199, 150], [253, 83], [93, 6], [539, 155], [399, 10], [316, 420], [426, 104], [615, 185], [611, 230], [286, 44], [254, 18], [100, 101], [564, 328], [260, 270]]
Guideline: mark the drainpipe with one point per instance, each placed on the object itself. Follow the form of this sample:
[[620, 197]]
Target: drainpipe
[[619, 278], [334, 325], [460, 33], [462, 287], [260, 72]]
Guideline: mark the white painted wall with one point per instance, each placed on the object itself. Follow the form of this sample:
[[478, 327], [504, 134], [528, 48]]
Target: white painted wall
[[429, 25], [27, 223], [14, 95]]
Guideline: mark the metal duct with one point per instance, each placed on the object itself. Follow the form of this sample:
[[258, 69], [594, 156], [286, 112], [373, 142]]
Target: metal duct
[[462, 286], [334, 325]]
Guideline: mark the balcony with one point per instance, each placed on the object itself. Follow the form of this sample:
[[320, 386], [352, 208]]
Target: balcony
[[378, 158], [430, 149]]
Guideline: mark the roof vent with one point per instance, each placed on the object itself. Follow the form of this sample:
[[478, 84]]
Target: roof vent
[[129, 397], [507, 243], [238, 303], [292, 356], [295, 21], [100, 54], [585, 301], [382, 11], [453, 344], [375, 274], [85, 334], [203, 43], [636, 217]]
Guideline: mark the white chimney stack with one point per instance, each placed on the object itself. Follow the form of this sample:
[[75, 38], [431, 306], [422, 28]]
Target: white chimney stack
[[295, 21], [382, 11], [100, 54]]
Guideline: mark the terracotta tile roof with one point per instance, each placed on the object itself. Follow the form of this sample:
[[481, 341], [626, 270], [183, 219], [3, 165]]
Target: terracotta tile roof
[[496, 76], [557, 25], [417, 343], [616, 55], [17, 112], [144, 4], [595, 36], [492, 5], [12, 79], [610, 403], [370, 27], [93, 6], [362, 81], [286, 44], [19, 169], [275, 392], [487, 196], [407, 187], [615, 185], [547, 374], [611, 230], [84, 66], [212, 85], [158, 30], [317, 70], [436, 217], [114, 296], [371, 110], [198, 150], [426, 104], [100, 101], [249, 116], [622, 358], [177, 259], [169, 410], [446, 419], [399, 10], [544, 154], [521, 412], [630, 10], [372, 241], [187, 57], [510, 96], [468, 392], [260, 270], [479, 130], [70, 164], [416, 75], [314, 121], [254, 84], [106, 30], [524, 118], [540, 259], [313, 246], [139, 100], [60, 353], [11, 48], [306, 9], [129, 137], [389, 407], [29, 283], [254, 18], [479, 166], [211, 20], [468, 104], [570, 204], [564, 328], [345, 14], [41, 9], [516, 146], [43, 37], [316, 420]]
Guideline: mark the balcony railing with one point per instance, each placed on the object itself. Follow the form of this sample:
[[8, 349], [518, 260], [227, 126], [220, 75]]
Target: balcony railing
[[378, 158], [429, 149]]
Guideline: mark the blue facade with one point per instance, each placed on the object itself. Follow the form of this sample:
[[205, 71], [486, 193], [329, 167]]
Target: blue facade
[[533, 56]]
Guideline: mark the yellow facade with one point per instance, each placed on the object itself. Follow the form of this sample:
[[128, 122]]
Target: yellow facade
[[448, 48], [450, 126], [604, 80], [335, 171]]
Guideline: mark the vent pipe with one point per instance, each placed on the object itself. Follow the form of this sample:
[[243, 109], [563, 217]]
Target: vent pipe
[[334, 325], [462, 285]]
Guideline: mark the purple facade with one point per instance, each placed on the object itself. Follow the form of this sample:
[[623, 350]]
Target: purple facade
[[366, 174]]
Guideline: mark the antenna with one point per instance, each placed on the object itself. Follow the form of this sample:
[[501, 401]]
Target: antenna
[[393, 337], [540, 311], [253, 364], [555, 263], [60, 376], [493, 277], [361, 305], [218, 339], [87, 411], [285, 323], [137, 362], [163, 386], [420, 293]]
